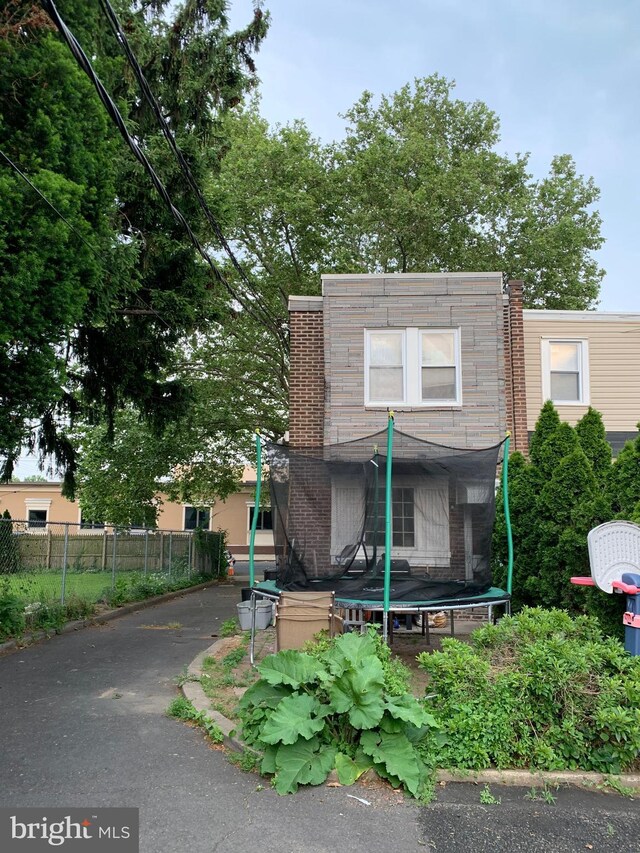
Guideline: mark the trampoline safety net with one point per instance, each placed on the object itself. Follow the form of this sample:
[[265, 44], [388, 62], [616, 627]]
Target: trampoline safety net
[[328, 511]]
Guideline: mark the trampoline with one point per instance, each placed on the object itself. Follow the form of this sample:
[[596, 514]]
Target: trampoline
[[388, 523]]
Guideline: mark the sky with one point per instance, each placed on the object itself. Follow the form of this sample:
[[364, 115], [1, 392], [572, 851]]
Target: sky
[[562, 75]]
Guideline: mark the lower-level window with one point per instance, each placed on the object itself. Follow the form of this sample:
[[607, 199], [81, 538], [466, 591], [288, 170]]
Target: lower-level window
[[37, 518], [196, 517], [265, 519], [403, 519]]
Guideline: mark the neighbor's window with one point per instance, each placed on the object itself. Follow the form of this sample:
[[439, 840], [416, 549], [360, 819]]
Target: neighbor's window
[[414, 367], [565, 371], [195, 517], [37, 518], [265, 519]]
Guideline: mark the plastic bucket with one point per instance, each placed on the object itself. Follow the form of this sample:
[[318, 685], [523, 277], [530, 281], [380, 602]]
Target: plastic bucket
[[264, 613]]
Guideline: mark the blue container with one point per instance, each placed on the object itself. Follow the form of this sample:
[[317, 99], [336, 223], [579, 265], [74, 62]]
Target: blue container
[[632, 632]]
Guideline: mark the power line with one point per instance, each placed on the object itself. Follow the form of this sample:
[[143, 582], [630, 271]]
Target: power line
[[139, 154], [166, 130], [51, 205], [148, 308]]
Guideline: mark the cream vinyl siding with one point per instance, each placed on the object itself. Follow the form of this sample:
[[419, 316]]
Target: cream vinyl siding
[[613, 370]]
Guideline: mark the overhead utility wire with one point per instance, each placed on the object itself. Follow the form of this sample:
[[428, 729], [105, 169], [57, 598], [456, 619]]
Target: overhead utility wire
[[80, 56], [166, 130], [46, 200], [16, 168]]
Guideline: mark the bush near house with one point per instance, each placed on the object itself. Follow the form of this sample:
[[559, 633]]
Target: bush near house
[[537, 690], [568, 486]]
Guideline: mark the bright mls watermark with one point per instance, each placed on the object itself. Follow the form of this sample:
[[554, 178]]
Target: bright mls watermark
[[103, 830]]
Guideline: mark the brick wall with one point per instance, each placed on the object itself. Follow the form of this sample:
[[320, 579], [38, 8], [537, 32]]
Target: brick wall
[[516, 392], [306, 377]]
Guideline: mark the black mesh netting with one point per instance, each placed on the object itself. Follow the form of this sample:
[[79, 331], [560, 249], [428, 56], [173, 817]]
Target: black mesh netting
[[328, 510]]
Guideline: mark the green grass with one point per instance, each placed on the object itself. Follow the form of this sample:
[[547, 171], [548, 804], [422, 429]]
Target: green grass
[[46, 586]]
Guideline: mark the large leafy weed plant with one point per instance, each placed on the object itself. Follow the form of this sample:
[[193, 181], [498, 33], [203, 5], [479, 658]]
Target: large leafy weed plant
[[338, 705]]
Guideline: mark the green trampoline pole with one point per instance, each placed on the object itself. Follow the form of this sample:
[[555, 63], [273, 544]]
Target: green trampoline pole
[[507, 517], [256, 510], [387, 528], [376, 505]]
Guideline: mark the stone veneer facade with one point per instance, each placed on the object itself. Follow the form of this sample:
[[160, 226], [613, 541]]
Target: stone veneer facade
[[327, 403]]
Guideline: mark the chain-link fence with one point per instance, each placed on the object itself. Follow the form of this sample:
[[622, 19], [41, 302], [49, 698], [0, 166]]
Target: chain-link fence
[[49, 561]]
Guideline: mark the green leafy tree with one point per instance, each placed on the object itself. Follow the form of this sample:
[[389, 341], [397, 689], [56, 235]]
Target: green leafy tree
[[555, 499], [426, 190], [624, 482], [559, 444], [92, 312]]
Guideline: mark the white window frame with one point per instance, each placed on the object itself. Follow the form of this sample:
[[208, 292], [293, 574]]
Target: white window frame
[[185, 507], [456, 365], [42, 505], [583, 370], [367, 357], [412, 368]]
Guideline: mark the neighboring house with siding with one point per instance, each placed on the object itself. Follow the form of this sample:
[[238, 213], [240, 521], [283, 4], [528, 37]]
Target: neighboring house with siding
[[584, 358], [42, 505]]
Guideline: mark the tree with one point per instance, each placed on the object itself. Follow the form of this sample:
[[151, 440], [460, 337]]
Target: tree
[[547, 423], [415, 185], [425, 190], [555, 499], [593, 440], [93, 311]]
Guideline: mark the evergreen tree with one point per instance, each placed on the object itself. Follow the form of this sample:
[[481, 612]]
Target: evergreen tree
[[9, 560], [593, 440], [547, 423]]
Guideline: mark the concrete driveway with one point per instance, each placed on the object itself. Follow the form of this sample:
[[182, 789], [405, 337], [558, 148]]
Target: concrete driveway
[[82, 724]]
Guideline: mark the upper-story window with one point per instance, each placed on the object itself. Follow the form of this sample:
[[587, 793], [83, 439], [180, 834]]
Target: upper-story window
[[414, 367], [565, 371]]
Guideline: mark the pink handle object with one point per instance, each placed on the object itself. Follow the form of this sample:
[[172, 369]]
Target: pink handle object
[[583, 581], [629, 589]]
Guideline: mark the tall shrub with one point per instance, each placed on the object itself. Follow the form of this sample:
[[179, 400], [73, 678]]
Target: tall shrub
[[593, 440], [9, 561]]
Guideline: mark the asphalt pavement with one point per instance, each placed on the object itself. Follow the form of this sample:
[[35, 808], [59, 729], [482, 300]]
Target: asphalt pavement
[[82, 723]]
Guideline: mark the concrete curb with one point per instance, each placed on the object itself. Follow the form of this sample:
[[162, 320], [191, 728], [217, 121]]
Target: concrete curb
[[99, 618], [193, 691]]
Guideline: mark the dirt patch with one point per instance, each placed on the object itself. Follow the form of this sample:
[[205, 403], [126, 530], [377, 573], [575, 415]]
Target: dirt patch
[[228, 673]]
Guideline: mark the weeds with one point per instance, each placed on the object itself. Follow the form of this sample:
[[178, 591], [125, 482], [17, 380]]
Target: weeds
[[183, 709], [245, 760], [229, 628], [543, 794], [487, 798]]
